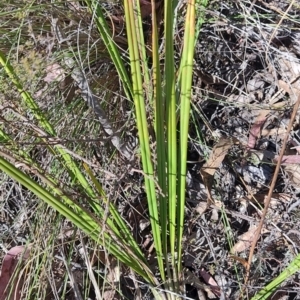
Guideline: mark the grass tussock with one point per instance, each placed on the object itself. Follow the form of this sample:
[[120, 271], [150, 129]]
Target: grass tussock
[[149, 149]]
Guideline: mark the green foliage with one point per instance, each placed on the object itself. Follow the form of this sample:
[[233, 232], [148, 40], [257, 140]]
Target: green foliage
[[268, 290], [168, 91], [130, 254], [165, 176], [167, 202]]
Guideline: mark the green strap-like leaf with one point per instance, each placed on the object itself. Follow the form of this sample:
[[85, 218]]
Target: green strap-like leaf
[[81, 218], [267, 291], [141, 119], [185, 96]]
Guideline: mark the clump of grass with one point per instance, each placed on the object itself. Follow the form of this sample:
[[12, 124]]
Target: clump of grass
[[72, 188]]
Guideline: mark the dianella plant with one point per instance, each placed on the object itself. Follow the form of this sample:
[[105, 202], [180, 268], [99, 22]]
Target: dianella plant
[[168, 90], [157, 83]]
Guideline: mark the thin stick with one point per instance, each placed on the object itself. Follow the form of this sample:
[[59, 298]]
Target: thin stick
[[258, 231]]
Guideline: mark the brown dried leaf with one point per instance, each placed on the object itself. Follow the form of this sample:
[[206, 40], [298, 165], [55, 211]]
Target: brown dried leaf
[[214, 215], [288, 159], [54, 73], [276, 197], [201, 208], [274, 131], [297, 148], [217, 156], [293, 171], [256, 127], [245, 240], [283, 85], [9, 264], [290, 69], [211, 166], [191, 278], [211, 282]]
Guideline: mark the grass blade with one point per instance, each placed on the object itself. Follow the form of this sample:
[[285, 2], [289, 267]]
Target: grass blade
[[159, 108], [83, 219], [142, 126], [267, 291], [70, 165], [111, 47], [171, 123], [185, 96]]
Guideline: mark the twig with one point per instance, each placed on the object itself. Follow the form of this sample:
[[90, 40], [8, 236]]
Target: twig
[[258, 231]]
